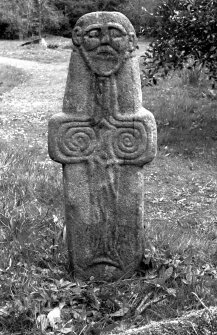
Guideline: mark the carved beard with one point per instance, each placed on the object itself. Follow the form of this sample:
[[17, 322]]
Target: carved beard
[[103, 61]]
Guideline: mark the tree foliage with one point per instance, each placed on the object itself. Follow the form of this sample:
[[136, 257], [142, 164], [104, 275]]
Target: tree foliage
[[26, 17], [15, 17], [21, 18], [185, 29], [140, 13], [77, 8]]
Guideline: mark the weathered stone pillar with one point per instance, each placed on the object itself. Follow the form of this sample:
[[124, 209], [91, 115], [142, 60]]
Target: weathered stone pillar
[[103, 138]]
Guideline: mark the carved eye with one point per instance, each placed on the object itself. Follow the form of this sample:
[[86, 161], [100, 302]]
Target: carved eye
[[114, 32], [94, 33]]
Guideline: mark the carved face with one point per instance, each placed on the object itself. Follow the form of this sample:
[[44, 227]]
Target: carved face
[[104, 46]]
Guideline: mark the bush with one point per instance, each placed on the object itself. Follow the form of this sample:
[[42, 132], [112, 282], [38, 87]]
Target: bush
[[8, 30], [185, 30]]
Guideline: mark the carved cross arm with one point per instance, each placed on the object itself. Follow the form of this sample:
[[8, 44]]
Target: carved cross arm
[[70, 139]]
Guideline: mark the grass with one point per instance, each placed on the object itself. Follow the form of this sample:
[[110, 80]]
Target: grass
[[186, 116], [178, 272], [36, 52], [10, 77]]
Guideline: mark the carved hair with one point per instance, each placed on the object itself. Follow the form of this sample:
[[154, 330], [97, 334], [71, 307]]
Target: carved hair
[[104, 17], [80, 88]]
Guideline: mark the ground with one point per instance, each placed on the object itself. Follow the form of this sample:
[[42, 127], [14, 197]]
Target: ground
[[25, 109], [178, 273]]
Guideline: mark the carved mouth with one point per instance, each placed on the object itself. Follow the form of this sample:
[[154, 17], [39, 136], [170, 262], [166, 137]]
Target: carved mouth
[[106, 53]]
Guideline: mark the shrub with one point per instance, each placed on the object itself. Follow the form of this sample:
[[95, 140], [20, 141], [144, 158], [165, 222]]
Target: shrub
[[186, 29]]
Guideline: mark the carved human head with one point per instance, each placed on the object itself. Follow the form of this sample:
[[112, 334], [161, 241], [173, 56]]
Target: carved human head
[[105, 40]]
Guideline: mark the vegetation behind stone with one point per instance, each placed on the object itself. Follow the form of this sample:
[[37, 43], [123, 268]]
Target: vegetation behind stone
[[185, 37]]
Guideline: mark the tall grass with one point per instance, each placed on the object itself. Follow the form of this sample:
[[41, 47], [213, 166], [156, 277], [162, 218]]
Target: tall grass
[[31, 205], [184, 106]]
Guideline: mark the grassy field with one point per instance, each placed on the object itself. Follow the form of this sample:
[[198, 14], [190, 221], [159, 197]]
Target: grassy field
[[10, 77], [37, 52], [178, 272]]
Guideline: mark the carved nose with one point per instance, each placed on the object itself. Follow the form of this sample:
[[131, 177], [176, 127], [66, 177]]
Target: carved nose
[[105, 39]]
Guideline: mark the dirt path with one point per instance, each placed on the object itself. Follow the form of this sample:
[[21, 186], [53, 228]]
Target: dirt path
[[24, 111]]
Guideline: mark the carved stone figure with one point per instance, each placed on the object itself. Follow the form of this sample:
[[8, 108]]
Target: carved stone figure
[[103, 138]]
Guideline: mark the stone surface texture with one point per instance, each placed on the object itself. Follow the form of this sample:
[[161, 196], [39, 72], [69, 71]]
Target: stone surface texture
[[103, 138]]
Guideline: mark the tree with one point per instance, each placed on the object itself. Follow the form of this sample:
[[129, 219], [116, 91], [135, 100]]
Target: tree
[[41, 4], [17, 15], [77, 8], [140, 13], [186, 29], [49, 17], [24, 17]]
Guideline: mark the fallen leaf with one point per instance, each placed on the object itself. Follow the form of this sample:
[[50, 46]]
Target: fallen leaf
[[67, 330], [66, 284], [168, 273], [4, 311], [171, 291], [120, 312], [54, 317], [42, 322]]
